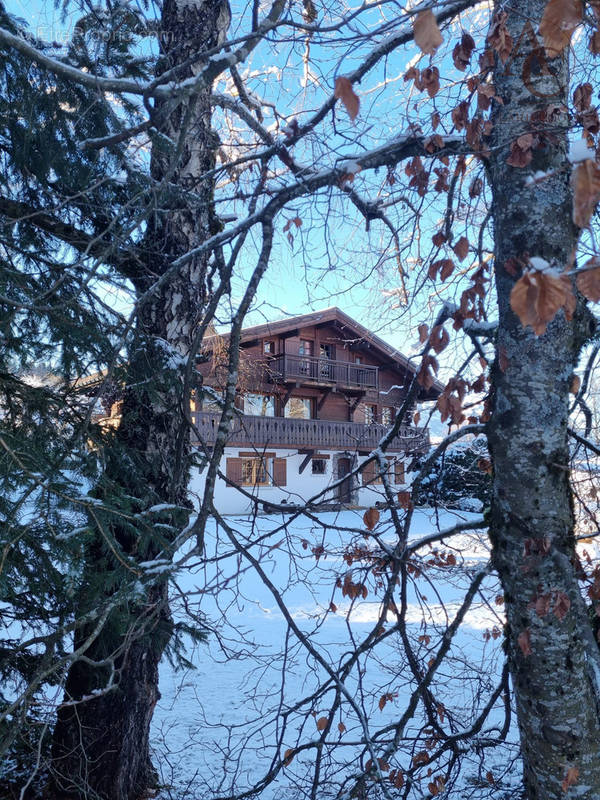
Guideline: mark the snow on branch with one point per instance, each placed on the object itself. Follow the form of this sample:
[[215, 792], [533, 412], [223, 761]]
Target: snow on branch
[[214, 66]]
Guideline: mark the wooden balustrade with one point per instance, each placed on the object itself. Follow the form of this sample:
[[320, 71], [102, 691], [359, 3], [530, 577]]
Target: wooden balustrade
[[322, 370], [260, 432]]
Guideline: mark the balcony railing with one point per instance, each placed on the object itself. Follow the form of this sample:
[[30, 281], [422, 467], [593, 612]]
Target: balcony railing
[[260, 432], [323, 370]]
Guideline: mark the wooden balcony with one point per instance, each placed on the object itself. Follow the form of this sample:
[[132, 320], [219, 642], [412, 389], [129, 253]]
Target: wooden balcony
[[261, 432], [309, 369]]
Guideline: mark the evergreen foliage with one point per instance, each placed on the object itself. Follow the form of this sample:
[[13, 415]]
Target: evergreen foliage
[[459, 479]]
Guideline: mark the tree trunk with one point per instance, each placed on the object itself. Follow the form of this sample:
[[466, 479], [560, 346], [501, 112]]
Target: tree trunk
[[101, 745], [552, 654]]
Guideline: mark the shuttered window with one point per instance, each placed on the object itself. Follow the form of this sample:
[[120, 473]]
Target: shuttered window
[[257, 471], [248, 471], [372, 473]]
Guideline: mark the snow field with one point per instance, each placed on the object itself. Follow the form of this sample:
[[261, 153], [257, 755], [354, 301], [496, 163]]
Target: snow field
[[217, 727]]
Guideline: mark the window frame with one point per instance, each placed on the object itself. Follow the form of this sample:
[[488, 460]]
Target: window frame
[[311, 407], [268, 397], [323, 462], [370, 414], [259, 468], [385, 412]]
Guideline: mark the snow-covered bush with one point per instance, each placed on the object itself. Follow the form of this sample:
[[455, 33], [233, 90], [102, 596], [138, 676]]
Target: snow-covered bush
[[459, 479]]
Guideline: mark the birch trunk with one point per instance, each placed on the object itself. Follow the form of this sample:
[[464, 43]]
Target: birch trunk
[[552, 656], [101, 746]]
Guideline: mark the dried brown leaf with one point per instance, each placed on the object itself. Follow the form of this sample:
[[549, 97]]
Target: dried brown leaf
[[461, 248], [536, 298], [485, 465], [559, 20], [371, 518], [562, 604], [426, 32], [542, 604], [322, 723], [521, 151], [582, 96], [524, 642], [461, 55], [570, 300], [588, 281], [433, 143], [439, 338], [460, 115], [405, 499], [430, 81], [425, 378], [585, 181], [475, 188], [485, 92], [344, 92], [499, 39], [570, 778], [589, 120]]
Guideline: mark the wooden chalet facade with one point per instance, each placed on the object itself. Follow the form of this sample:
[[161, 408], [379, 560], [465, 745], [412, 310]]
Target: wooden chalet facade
[[316, 394]]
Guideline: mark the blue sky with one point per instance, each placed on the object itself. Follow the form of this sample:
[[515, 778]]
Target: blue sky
[[325, 265]]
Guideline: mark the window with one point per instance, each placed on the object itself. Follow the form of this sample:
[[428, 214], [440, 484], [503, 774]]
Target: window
[[319, 466], [259, 405], [326, 354], [254, 472], [305, 349], [269, 348], [251, 469], [370, 415], [298, 408], [372, 473], [387, 415]]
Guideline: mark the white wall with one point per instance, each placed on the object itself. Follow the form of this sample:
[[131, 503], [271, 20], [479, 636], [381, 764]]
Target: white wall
[[299, 488]]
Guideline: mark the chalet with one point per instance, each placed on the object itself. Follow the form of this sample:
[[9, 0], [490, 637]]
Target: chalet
[[316, 394]]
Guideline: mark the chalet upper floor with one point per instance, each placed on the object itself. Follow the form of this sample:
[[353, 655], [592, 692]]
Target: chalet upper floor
[[318, 379]]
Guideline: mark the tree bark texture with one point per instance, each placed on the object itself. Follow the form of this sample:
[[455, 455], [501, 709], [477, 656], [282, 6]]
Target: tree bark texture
[[552, 655], [101, 745]]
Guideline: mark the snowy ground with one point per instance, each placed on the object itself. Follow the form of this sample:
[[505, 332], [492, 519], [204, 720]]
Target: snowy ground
[[216, 729]]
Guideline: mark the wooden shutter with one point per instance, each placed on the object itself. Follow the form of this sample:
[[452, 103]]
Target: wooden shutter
[[233, 470], [368, 473], [399, 471], [279, 472]]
